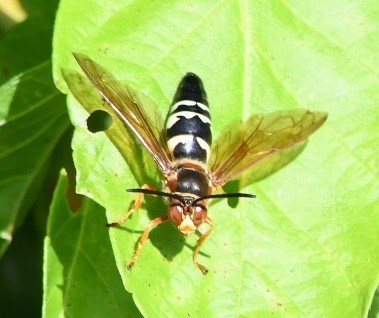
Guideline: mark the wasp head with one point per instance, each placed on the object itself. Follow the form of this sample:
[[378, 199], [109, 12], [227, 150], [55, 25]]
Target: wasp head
[[187, 214]]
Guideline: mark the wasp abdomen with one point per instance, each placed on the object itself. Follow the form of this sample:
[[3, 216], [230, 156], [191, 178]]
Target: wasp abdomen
[[188, 126]]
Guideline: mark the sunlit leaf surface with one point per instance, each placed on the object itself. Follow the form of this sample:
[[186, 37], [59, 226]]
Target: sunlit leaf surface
[[308, 245]]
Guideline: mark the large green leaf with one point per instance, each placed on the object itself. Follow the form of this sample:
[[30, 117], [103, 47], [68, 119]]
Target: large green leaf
[[308, 245]]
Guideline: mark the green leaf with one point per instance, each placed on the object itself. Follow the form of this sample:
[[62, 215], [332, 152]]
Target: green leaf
[[20, 48], [79, 267], [308, 245], [33, 118], [374, 309]]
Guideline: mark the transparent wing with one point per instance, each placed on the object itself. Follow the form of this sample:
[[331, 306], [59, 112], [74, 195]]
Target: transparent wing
[[124, 102], [240, 148]]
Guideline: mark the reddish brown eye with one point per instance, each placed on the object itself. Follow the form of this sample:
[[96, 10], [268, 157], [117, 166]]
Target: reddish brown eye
[[199, 215], [175, 213]]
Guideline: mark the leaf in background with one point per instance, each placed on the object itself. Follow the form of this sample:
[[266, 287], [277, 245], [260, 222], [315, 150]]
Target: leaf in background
[[33, 118], [374, 309], [79, 265], [308, 245], [29, 43]]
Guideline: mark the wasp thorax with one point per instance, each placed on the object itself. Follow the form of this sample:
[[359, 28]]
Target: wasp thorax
[[187, 216]]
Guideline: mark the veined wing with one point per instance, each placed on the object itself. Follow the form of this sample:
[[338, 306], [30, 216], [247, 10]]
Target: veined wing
[[259, 137], [125, 103]]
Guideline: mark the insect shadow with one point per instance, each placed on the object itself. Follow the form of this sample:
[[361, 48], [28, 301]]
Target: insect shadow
[[166, 238]]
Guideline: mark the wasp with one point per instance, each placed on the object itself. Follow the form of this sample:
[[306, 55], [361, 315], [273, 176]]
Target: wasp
[[192, 168]]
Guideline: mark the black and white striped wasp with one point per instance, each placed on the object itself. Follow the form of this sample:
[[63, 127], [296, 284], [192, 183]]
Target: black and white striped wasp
[[192, 168]]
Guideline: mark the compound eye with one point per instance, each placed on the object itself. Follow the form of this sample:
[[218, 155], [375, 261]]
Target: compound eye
[[175, 213], [199, 215]]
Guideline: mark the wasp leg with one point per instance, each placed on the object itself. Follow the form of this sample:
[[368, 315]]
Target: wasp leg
[[136, 205], [200, 242], [144, 238]]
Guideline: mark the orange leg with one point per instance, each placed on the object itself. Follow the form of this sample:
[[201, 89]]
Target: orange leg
[[136, 205], [144, 238], [199, 243]]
